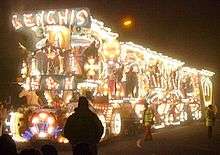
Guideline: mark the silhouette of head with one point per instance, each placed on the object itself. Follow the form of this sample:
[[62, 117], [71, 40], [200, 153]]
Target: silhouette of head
[[7, 145], [83, 102], [48, 150], [82, 149], [31, 151]]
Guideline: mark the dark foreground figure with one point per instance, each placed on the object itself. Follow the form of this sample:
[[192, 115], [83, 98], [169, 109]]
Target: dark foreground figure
[[7, 145], [83, 129]]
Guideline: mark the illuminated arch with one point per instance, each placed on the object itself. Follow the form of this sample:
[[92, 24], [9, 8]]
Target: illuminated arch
[[207, 89]]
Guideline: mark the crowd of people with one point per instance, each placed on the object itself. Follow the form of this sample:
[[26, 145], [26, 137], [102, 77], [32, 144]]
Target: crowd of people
[[8, 147]]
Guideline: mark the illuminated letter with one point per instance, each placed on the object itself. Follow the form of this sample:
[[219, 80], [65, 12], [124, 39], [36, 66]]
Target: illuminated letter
[[81, 17], [72, 17], [40, 19], [16, 23], [28, 20], [50, 18], [63, 18]]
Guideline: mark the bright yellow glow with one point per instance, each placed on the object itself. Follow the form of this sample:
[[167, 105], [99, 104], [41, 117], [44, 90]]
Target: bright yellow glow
[[50, 130], [43, 116], [35, 120], [42, 135], [127, 22], [62, 139], [111, 49], [50, 120]]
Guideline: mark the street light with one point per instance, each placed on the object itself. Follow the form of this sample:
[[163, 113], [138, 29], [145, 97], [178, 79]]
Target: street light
[[127, 23]]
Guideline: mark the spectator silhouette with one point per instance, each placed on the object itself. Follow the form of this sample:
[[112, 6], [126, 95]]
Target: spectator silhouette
[[48, 150], [82, 149], [7, 145], [31, 151], [84, 127]]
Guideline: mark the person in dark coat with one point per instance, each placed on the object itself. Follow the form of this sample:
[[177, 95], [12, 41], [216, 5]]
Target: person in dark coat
[[49, 150], [30, 151], [84, 127], [7, 145]]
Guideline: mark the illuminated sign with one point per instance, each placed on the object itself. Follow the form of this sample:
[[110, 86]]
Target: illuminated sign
[[78, 17]]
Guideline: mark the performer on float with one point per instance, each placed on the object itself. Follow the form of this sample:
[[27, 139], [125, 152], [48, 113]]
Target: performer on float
[[112, 84], [131, 82]]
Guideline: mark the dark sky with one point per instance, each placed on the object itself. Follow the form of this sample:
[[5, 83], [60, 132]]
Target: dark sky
[[188, 30]]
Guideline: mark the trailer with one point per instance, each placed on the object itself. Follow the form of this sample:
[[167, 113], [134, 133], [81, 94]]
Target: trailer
[[68, 53]]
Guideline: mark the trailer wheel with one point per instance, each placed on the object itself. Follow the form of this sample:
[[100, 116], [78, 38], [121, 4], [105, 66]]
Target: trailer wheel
[[116, 123]]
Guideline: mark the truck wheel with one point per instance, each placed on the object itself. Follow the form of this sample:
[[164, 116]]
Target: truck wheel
[[116, 123]]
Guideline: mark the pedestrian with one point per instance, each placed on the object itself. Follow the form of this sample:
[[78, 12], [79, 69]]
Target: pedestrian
[[84, 127], [148, 121], [82, 149], [131, 82], [7, 145], [49, 150], [210, 119], [30, 151]]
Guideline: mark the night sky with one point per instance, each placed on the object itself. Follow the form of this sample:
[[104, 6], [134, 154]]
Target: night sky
[[188, 30]]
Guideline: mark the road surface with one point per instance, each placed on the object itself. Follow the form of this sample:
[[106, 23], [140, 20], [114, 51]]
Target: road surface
[[189, 139]]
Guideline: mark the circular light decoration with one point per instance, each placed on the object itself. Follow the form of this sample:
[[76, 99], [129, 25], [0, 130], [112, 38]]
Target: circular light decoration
[[91, 67], [102, 119], [43, 125], [116, 123]]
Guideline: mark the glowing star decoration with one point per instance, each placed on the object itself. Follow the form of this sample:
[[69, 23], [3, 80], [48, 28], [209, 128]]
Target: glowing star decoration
[[51, 83], [207, 90], [91, 67]]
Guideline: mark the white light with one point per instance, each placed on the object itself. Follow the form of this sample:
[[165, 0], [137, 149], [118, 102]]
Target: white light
[[116, 124], [50, 130], [43, 116], [42, 135], [50, 120], [35, 120]]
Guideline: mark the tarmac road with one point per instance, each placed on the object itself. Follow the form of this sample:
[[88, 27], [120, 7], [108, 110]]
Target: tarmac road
[[189, 139]]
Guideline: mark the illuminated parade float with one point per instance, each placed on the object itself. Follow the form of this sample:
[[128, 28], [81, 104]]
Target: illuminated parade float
[[73, 54]]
